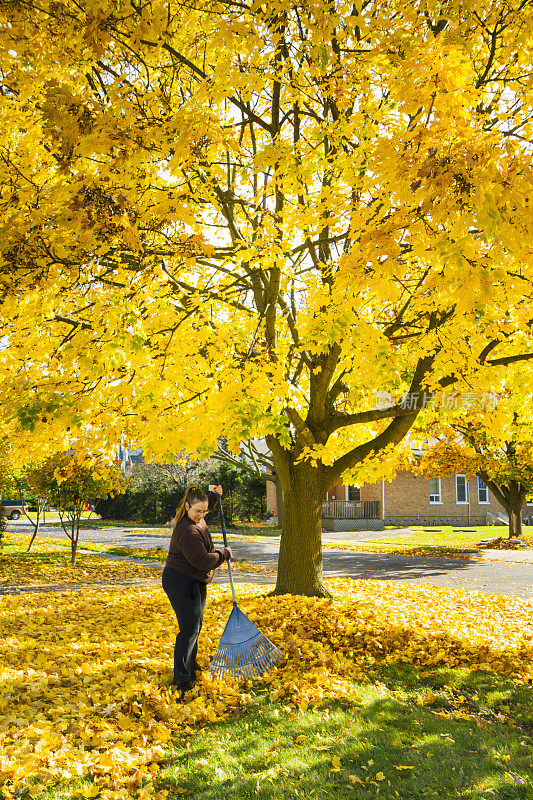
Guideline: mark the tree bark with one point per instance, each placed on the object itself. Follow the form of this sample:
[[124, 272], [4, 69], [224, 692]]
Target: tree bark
[[516, 501], [73, 545], [34, 524], [300, 554], [35, 532]]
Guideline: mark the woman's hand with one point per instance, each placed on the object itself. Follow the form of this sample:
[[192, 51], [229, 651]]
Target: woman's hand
[[228, 553], [217, 489]]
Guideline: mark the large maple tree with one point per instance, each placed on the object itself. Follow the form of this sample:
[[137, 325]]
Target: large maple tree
[[249, 218]]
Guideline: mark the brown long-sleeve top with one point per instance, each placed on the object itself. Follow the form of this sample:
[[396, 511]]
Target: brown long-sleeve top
[[191, 548]]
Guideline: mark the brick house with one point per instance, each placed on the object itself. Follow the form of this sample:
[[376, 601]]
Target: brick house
[[408, 499], [416, 500]]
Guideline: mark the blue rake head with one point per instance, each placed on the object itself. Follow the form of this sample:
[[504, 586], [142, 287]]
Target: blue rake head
[[244, 651]]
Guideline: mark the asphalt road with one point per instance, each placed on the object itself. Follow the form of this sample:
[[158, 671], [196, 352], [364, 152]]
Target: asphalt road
[[511, 574]]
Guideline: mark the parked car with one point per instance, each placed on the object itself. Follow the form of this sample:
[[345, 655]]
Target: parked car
[[13, 509]]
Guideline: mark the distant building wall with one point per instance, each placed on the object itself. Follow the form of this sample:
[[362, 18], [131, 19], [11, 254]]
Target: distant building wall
[[406, 501], [271, 503], [338, 492], [454, 501]]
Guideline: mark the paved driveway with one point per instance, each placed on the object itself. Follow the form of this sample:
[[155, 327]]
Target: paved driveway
[[511, 574]]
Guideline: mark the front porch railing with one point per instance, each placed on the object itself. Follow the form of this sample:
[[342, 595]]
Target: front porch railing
[[350, 509]]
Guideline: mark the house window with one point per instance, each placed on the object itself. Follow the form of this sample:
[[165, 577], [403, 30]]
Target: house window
[[354, 494], [434, 490], [482, 491], [461, 489]]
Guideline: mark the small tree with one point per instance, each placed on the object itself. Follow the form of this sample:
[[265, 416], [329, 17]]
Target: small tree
[[23, 483], [496, 446], [69, 480]]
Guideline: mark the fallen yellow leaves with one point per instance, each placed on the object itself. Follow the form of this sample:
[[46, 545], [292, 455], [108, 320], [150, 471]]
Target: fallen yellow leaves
[[83, 680], [336, 762], [19, 568], [401, 548], [49, 564]]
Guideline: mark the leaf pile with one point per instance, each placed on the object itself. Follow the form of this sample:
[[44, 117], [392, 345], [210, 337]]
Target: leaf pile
[[83, 686]]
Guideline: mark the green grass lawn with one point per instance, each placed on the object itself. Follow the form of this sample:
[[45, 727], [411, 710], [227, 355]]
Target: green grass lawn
[[444, 541], [456, 534], [406, 733], [473, 740]]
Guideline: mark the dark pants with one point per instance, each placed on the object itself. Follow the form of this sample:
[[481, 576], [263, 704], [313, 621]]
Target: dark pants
[[187, 597]]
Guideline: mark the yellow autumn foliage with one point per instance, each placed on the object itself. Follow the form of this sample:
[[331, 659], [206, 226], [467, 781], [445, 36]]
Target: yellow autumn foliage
[[261, 217], [83, 678]]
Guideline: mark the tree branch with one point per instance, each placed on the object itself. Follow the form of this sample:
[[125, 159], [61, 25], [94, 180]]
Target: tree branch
[[75, 323], [392, 435], [505, 361], [191, 290], [320, 385], [203, 75]]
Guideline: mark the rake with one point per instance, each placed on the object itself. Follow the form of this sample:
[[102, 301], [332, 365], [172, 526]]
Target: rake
[[243, 651]]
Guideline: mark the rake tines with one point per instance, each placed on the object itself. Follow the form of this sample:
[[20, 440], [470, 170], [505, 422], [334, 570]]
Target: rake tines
[[244, 651]]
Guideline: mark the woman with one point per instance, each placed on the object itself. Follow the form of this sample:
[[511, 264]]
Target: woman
[[190, 566]]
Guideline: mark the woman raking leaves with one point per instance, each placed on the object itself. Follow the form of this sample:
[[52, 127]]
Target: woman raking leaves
[[190, 565]]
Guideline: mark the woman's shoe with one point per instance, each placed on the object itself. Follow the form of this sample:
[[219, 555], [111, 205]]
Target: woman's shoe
[[183, 687]]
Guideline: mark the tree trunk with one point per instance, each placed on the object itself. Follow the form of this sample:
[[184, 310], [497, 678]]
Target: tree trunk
[[511, 495], [300, 553], [35, 532], [74, 540], [305, 484], [515, 524], [516, 501]]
